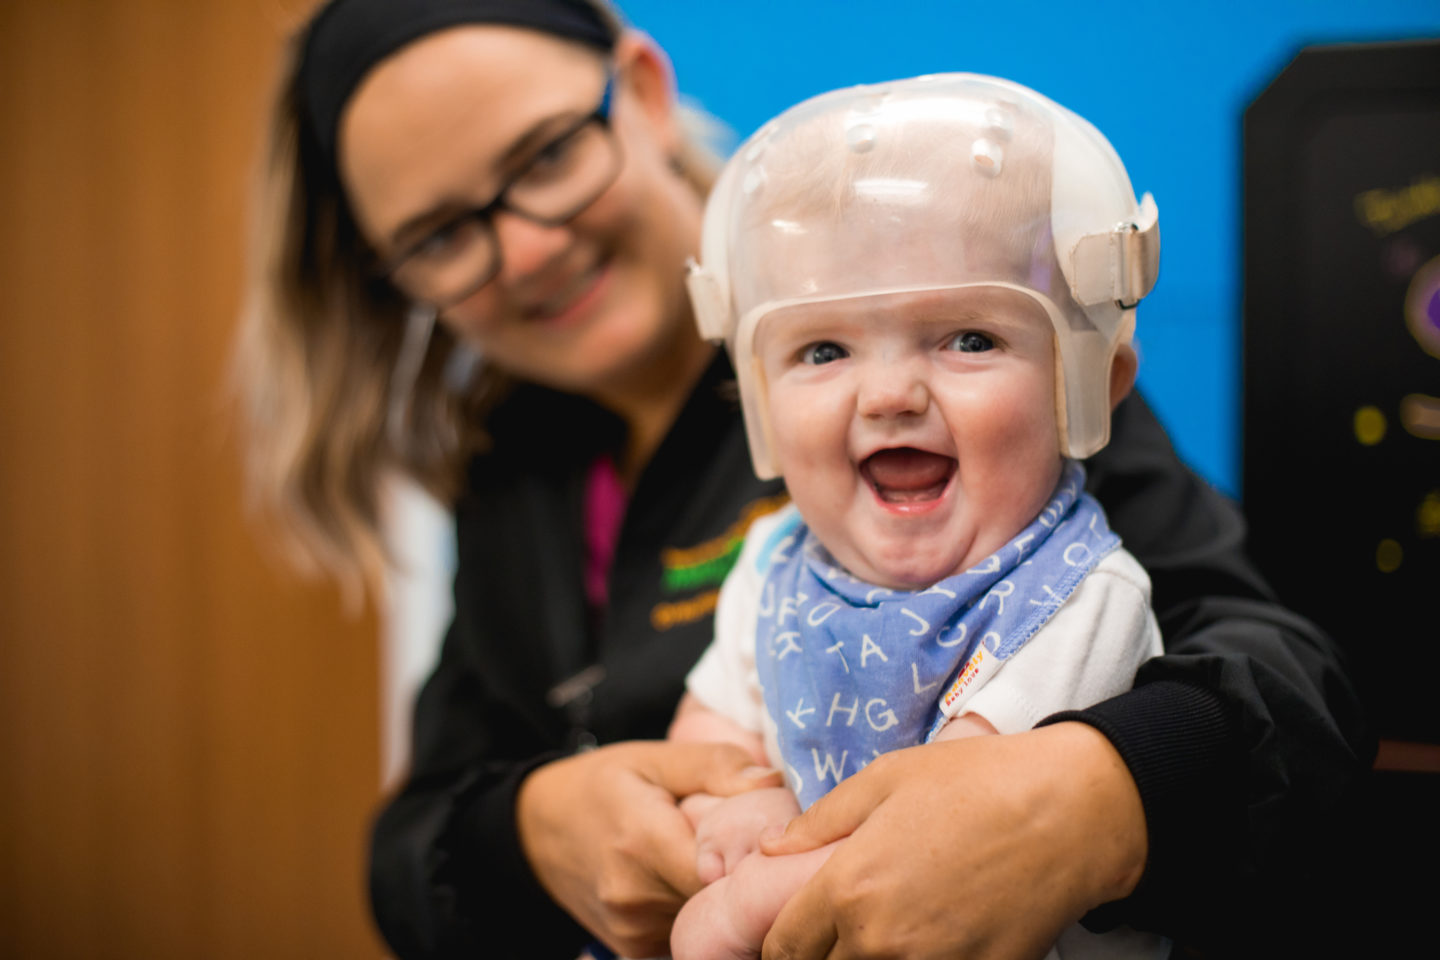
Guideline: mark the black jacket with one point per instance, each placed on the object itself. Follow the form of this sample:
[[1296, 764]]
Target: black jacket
[[1239, 737]]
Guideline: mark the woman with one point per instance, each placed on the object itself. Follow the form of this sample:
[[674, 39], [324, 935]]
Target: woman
[[517, 171]]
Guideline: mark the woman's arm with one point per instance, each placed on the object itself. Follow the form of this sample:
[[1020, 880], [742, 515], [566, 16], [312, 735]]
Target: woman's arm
[[440, 844], [1245, 736], [494, 831], [498, 820]]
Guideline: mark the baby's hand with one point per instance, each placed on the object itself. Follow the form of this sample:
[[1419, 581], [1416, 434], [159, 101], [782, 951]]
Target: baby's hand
[[727, 829]]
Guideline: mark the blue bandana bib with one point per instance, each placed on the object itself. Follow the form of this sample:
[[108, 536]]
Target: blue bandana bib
[[850, 670]]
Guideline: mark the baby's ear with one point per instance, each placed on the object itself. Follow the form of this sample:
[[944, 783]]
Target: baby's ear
[[1122, 373]]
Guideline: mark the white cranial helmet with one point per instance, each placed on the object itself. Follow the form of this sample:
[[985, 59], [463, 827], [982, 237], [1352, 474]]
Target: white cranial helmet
[[935, 183]]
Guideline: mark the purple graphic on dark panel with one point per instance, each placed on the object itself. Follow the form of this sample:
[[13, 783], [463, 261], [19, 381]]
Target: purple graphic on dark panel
[[1422, 307]]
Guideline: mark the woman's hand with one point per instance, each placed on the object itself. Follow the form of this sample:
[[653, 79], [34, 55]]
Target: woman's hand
[[984, 847], [604, 836]]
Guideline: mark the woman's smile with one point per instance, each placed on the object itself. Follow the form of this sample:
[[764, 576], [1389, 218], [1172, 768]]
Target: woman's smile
[[574, 301], [610, 277]]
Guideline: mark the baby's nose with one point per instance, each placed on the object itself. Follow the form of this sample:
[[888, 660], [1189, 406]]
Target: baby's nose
[[893, 390]]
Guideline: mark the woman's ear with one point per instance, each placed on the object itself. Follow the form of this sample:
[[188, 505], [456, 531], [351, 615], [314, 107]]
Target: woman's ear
[[1122, 373], [645, 75]]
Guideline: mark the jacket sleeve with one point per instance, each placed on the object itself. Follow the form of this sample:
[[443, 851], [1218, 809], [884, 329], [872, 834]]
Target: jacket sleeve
[[1244, 735], [447, 874]]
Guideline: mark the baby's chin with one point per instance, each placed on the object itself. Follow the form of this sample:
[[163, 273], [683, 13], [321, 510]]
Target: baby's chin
[[906, 574]]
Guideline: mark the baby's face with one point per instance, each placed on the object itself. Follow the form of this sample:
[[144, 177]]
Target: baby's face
[[916, 432]]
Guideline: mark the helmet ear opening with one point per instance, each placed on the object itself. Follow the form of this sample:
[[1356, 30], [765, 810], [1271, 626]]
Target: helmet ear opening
[[1089, 370], [1122, 372]]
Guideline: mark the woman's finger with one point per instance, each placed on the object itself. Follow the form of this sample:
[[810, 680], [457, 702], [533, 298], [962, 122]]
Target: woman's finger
[[721, 769], [672, 853], [837, 814], [984, 848], [805, 928]]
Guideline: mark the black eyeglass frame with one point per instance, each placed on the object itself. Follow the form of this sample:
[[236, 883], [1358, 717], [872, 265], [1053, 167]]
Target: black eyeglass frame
[[484, 215]]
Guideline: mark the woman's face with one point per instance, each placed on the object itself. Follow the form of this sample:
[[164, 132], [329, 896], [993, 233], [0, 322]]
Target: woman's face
[[445, 123]]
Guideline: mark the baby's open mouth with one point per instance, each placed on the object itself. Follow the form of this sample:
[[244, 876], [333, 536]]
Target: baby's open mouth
[[907, 475]]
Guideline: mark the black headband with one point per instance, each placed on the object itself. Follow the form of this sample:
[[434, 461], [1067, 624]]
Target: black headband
[[349, 37]]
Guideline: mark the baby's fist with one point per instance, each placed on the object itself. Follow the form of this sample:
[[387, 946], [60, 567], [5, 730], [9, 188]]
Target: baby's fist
[[729, 829]]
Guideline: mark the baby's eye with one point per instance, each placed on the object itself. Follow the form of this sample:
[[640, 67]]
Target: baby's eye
[[823, 352], [970, 342]]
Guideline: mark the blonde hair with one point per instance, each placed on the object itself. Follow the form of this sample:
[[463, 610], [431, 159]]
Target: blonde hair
[[315, 360]]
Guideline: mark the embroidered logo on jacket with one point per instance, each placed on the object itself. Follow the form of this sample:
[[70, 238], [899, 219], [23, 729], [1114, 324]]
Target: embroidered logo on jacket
[[705, 566]]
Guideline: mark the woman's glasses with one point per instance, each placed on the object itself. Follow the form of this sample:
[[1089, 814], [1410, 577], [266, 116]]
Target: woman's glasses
[[560, 180]]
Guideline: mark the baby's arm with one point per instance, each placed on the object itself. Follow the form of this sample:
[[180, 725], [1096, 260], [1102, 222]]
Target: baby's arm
[[694, 722], [727, 829], [729, 918], [723, 702]]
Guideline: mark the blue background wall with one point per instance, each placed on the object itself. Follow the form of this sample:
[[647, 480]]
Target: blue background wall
[[1166, 83]]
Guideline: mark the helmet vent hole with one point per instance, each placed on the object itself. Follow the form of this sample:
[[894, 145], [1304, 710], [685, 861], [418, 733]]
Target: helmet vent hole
[[987, 157], [860, 138]]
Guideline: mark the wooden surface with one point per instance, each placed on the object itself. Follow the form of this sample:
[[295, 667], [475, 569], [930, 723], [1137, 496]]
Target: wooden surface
[[188, 755]]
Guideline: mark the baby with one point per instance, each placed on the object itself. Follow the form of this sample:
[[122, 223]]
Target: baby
[[927, 289]]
